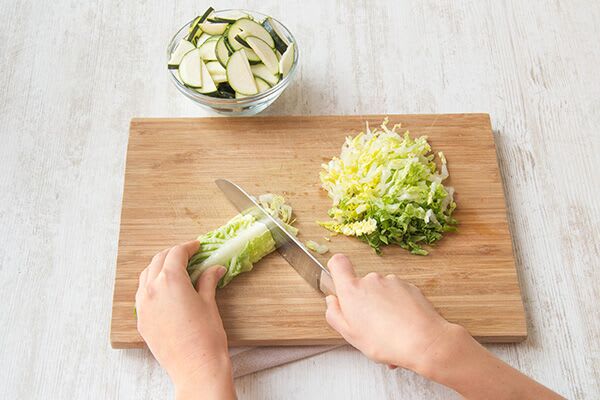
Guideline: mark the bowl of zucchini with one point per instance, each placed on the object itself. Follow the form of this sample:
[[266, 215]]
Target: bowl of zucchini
[[234, 62]]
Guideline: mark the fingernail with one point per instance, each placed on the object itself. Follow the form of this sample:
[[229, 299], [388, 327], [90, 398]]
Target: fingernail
[[329, 299], [221, 272]]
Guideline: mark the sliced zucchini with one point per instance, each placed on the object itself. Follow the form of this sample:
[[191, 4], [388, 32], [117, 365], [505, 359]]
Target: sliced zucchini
[[208, 85], [190, 69], [178, 77], [261, 71], [287, 60], [217, 72], [204, 38], [239, 74], [225, 90], [274, 29], [214, 28], [219, 78], [232, 55], [181, 49], [261, 84], [252, 56], [214, 67], [232, 15], [195, 30], [241, 41], [246, 27], [222, 51], [229, 47], [265, 53], [207, 50], [217, 20]]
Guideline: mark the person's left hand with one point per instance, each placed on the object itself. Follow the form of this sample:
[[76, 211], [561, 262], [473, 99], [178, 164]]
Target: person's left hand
[[182, 326]]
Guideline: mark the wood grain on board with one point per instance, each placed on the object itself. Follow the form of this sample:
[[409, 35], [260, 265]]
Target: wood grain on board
[[170, 197]]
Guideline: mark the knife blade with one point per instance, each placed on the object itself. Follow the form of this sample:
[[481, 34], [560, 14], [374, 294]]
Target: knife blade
[[290, 248]]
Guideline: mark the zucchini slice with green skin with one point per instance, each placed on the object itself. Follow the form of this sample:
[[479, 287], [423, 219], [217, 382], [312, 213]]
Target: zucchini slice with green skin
[[239, 74], [265, 53], [214, 28], [241, 41], [287, 60], [215, 67], [261, 71], [222, 51], [178, 77], [181, 49], [205, 37], [229, 47], [261, 85], [281, 43], [253, 58], [251, 54], [195, 30], [225, 90], [232, 15], [221, 20], [219, 78], [208, 85], [190, 69], [246, 27], [207, 50]]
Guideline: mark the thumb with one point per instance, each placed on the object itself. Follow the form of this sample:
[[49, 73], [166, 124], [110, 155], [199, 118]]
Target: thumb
[[207, 282], [342, 271], [334, 316]]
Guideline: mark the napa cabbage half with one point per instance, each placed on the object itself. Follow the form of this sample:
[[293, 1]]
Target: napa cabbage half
[[241, 242]]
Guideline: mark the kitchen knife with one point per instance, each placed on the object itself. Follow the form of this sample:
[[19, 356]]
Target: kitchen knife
[[290, 248]]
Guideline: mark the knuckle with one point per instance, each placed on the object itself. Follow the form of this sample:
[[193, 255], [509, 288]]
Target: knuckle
[[168, 274], [150, 292], [372, 276], [158, 255], [178, 248]]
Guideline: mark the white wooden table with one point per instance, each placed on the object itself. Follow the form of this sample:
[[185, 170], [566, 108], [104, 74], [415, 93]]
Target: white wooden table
[[72, 74]]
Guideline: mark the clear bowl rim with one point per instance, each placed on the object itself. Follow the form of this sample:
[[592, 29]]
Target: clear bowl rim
[[282, 84]]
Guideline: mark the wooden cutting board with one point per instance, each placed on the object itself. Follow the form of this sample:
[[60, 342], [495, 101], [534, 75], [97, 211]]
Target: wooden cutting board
[[170, 197]]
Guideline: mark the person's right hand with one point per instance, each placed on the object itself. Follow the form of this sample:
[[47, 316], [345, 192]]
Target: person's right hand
[[386, 318], [391, 322]]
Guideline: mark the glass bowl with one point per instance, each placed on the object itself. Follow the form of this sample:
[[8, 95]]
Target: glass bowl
[[245, 106]]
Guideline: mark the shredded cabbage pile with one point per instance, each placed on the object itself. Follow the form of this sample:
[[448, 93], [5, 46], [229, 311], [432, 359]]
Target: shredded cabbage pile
[[387, 189]]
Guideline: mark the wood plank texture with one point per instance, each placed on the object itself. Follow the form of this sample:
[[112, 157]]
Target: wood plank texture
[[170, 197]]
